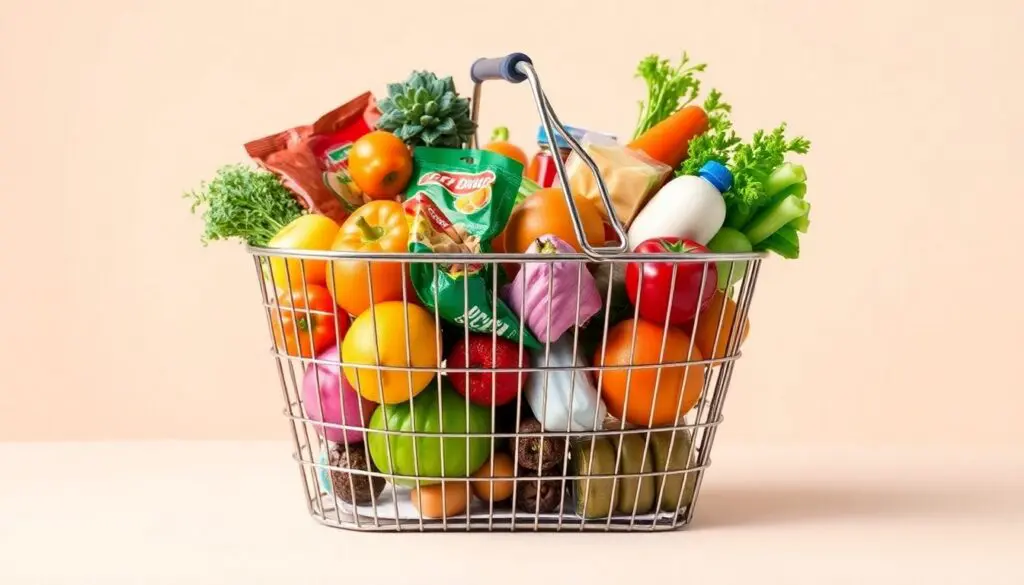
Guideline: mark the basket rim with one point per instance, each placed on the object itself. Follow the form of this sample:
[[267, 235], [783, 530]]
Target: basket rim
[[499, 257]]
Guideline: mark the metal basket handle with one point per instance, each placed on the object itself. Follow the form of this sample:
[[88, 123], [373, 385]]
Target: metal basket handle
[[515, 68]]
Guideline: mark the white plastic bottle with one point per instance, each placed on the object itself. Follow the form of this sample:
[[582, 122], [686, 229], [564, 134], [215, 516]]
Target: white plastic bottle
[[687, 207]]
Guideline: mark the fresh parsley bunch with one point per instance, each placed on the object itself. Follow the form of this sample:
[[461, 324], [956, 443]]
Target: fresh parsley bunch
[[669, 87], [245, 204]]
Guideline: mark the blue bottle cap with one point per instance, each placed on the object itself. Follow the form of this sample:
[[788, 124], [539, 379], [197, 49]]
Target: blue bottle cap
[[717, 174]]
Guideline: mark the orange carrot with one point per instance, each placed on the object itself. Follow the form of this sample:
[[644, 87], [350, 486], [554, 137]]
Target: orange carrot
[[669, 140]]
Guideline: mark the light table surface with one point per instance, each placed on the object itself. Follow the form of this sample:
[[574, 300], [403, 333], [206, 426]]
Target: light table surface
[[232, 512]]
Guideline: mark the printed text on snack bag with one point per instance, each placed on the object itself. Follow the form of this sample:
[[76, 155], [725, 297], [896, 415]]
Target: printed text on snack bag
[[478, 321], [458, 183]]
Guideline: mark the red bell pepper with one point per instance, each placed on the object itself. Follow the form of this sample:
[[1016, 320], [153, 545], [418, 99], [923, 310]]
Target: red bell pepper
[[652, 282]]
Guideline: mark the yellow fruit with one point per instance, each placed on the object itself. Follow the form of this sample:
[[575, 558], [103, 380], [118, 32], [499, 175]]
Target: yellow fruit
[[307, 232], [364, 343]]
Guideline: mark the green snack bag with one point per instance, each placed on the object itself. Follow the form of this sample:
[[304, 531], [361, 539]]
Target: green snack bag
[[457, 201]]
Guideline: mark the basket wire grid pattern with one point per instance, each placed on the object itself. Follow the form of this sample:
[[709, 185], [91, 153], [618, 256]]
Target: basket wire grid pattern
[[696, 429]]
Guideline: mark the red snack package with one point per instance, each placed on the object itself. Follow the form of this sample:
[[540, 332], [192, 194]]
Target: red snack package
[[312, 160]]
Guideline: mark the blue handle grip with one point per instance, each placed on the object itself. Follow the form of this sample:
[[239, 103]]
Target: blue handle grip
[[499, 68]]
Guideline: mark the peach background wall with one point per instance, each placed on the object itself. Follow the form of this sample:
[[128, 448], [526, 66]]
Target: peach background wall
[[898, 325]]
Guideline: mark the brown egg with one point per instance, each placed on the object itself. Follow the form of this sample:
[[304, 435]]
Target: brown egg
[[503, 467], [427, 499]]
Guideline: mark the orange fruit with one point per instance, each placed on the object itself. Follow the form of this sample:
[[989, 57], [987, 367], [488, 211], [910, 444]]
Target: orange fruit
[[508, 149], [546, 212], [707, 326], [499, 143], [638, 407], [502, 490], [380, 164], [428, 500]]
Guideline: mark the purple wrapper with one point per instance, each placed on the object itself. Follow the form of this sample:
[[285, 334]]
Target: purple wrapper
[[569, 281]]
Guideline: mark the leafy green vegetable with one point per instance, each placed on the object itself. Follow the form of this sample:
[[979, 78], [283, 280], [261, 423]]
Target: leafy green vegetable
[[668, 89], [767, 192], [717, 110], [775, 217], [243, 203], [718, 142], [803, 223], [765, 204], [785, 243], [784, 177], [752, 163]]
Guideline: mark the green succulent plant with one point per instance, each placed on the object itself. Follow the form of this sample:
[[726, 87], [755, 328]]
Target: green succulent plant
[[426, 111]]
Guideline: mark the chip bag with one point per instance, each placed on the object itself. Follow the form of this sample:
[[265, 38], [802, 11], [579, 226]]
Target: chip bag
[[312, 160], [457, 202], [630, 176]]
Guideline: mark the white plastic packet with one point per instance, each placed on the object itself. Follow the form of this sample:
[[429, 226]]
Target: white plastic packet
[[586, 411]]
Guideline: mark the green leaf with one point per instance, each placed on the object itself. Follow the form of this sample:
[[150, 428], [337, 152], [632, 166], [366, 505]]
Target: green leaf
[[417, 80], [410, 131], [395, 90], [430, 136], [436, 87], [391, 119], [668, 89], [448, 84], [459, 108], [431, 108], [446, 101], [403, 102], [422, 95], [428, 121], [386, 106], [447, 126], [753, 163]]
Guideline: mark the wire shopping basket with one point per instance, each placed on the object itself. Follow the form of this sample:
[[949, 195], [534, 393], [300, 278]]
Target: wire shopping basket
[[563, 453]]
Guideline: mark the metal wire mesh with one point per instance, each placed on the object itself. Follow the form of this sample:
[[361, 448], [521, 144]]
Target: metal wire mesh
[[346, 485]]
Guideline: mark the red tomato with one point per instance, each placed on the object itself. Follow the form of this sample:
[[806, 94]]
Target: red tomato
[[655, 280], [296, 330]]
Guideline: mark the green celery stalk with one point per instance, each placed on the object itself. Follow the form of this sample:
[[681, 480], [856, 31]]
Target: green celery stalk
[[801, 224], [775, 217], [785, 242], [798, 189], [738, 216], [786, 175]]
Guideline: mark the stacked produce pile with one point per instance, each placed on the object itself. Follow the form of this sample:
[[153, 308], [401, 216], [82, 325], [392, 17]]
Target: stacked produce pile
[[393, 176]]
